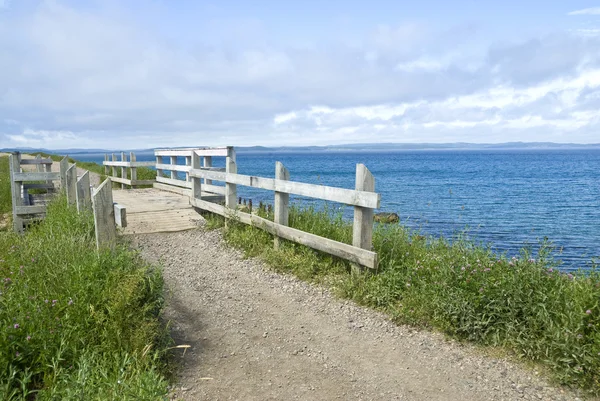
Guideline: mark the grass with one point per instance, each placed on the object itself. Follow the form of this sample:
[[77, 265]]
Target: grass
[[75, 324], [521, 305], [5, 197]]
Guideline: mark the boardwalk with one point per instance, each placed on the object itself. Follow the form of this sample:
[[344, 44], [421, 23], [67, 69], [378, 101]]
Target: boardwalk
[[153, 211]]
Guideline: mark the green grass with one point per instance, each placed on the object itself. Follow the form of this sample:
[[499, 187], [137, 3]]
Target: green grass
[[75, 324], [523, 306], [5, 197]]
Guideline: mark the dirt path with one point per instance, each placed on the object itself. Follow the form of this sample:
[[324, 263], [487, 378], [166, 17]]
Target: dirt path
[[258, 335]]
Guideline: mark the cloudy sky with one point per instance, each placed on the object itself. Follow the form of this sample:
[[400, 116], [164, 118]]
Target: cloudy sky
[[142, 73]]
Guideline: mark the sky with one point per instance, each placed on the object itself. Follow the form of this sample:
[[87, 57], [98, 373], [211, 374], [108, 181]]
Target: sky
[[131, 74]]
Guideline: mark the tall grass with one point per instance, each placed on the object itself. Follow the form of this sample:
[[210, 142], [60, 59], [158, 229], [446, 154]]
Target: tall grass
[[5, 196], [523, 305], [75, 324]]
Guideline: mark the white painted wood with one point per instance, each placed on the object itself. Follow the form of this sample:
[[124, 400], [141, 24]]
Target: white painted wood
[[196, 185], [159, 171], [72, 185], [186, 152], [362, 228], [177, 183], [231, 189], [282, 201], [173, 167], [106, 168], [356, 255], [207, 162], [104, 215], [129, 164], [132, 183], [15, 190], [172, 152], [123, 169], [30, 209], [133, 168], [38, 160], [64, 166], [120, 215], [341, 195], [34, 176], [114, 167], [84, 196], [212, 152]]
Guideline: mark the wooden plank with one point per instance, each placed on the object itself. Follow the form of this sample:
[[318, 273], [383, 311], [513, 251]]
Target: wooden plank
[[104, 215], [282, 201], [341, 195], [120, 215], [123, 169], [84, 196], [35, 209], [172, 188], [15, 191], [64, 166], [38, 186], [72, 185], [35, 176], [120, 180], [187, 151], [172, 152], [35, 161], [174, 182], [196, 189], [133, 169], [142, 182], [212, 152], [128, 164], [173, 167], [362, 227], [351, 253], [231, 189], [106, 172]]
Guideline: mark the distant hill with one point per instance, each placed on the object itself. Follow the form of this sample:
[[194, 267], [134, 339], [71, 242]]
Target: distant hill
[[370, 147]]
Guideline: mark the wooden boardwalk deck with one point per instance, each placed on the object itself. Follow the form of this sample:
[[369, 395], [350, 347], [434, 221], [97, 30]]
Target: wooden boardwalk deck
[[152, 211]]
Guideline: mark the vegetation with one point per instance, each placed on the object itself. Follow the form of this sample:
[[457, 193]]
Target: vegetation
[[75, 324], [522, 305]]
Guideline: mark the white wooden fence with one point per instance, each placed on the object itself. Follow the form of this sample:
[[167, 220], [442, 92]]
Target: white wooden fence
[[128, 168], [363, 198]]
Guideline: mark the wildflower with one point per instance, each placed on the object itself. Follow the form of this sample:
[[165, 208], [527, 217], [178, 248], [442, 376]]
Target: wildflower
[[54, 301], [408, 284], [481, 289], [570, 276], [462, 268], [28, 338], [32, 259], [580, 336], [588, 312], [70, 302], [16, 326], [550, 270], [45, 300], [17, 353], [511, 264], [487, 269], [531, 260]]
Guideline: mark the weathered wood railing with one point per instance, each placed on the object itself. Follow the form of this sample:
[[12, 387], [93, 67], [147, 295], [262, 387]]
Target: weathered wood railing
[[363, 198], [128, 168], [172, 182]]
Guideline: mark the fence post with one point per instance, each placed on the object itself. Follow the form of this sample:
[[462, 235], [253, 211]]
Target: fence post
[[123, 169], [282, 201], [230, 189], [159, 172], [188, 162], [173, 172], [84, 199], [38, 167], [16, 187], [64, 166], [132, 159], [106, 168], [196, 182], [104, 215], [207, 163], [362, 227], [72, 185], [114, 169]]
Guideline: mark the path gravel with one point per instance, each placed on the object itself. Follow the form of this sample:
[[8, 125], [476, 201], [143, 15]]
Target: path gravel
[[258, 335]]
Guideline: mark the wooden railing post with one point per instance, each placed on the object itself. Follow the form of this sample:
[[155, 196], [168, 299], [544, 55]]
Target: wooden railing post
[[159, 172], [71, 188], [106, 168], [362, 228], [16, 188], [114, 169], [230, 189], [188, 162], [104, 215], [282, 201], [173, 172], [64, 166], [207, 163], [38, 167], [84, 199], [196, 182], [132, 159], [123, 169]]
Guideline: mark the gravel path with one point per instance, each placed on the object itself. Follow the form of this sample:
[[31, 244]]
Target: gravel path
[[258, 335]]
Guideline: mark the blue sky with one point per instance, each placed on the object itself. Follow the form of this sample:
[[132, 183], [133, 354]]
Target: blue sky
[[131, 74]]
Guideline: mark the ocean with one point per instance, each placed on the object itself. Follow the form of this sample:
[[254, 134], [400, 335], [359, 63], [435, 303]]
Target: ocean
[[506, 199]]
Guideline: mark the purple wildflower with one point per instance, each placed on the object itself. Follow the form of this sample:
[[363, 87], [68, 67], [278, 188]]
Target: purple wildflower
[[588, 312], [570, 276], [16, 326], [487, 269], [28, 338], [481, 289], [17, 353]]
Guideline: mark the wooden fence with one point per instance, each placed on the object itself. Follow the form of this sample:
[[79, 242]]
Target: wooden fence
[[363, 198], [172, 182], [126, 168]]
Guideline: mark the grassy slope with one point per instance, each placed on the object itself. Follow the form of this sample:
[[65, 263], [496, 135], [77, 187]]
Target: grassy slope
[[75, 325], [523, 305], [5, 200]]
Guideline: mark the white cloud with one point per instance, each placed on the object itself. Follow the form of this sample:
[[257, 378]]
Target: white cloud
[[586, 11]]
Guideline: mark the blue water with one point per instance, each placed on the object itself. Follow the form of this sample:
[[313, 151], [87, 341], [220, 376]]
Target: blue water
[[508, 199]]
